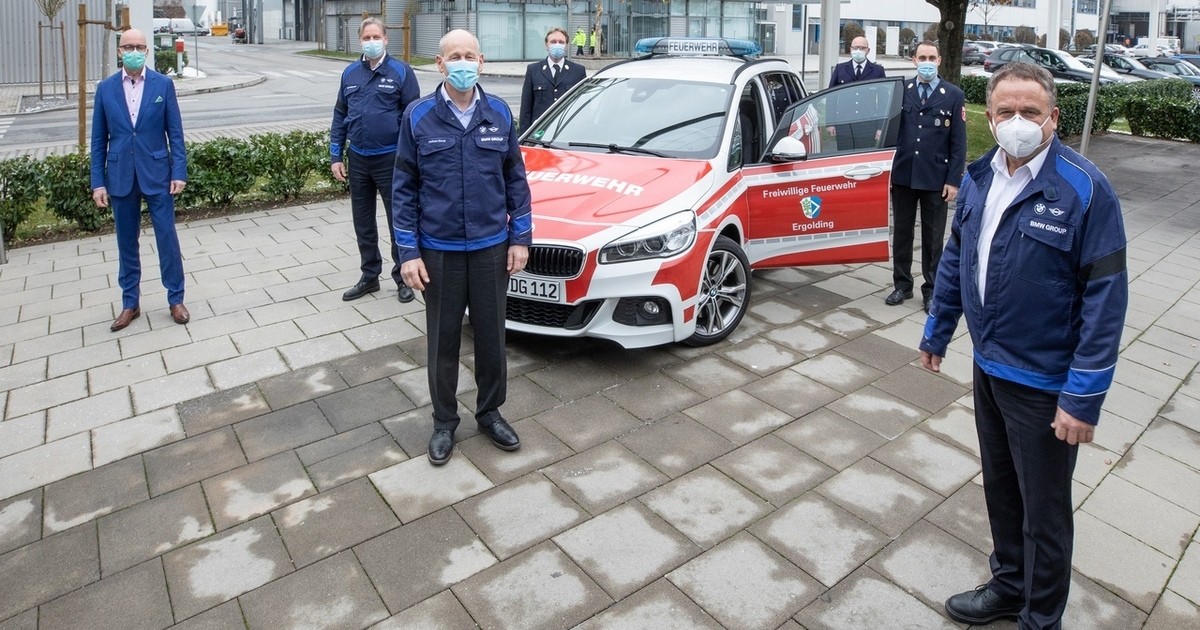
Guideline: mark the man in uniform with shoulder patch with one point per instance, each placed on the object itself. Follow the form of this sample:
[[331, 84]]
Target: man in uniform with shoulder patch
[[549, 78]]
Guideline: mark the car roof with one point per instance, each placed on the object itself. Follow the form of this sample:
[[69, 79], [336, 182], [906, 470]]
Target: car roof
[[701, 69]]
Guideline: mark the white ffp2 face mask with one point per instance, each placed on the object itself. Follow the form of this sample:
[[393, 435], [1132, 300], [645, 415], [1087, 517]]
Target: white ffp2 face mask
[[1019, 137]]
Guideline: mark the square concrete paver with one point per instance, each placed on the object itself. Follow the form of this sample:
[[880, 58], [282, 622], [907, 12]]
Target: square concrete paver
[[880, 496], [604, 476], [134, 599], [332, 521], [710, 374], [743, 584], [791, 392], [1162, 475], [135, 435], [227, 616], [92, 494], [929, 461], [931, 564], [866, 600], [584, 423], [414, 488], [659, 606], [255, 489], [161, 524], [706, 506], [373, 365], [821, 538], [964, 516], [539, 589], [653, 397], [831, 438], [539, 448], [20, 520], [358, 462], [282, 430], [838, 371], [222, 408], [1172, 611], [191, 460], [1124, 506], [879, 412], [921, 388], [804, 338], [300, 386], [1140, 575], [626, 548], [440, 612], [773, 469], [359, 405], [738, 416], [221, 567], [676, 445], [1186, 579], [330, 594], [52, 566], [416, 561], [519, 514]]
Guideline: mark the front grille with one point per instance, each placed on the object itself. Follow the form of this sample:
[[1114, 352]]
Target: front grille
[[563, 316], [554, 261]]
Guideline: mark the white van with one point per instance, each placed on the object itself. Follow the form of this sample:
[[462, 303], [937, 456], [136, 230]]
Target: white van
[[182, 26]]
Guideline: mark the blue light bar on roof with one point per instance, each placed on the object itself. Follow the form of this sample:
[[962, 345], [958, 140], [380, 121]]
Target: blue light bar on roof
[[697, 46]]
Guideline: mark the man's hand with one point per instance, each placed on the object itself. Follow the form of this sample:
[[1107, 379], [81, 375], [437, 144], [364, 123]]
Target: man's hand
[[949, 192], [1070, 429], [878, 134], [100, 196], [832, 131], [177, 186], [339, 171], [518, 255], [931, 362], [414, 274]]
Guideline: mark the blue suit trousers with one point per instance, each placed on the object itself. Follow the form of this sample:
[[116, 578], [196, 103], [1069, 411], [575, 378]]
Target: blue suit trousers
[[127, 214]]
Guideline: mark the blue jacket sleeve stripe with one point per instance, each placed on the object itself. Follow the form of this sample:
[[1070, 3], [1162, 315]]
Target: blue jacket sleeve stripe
[[1089, 382], [1078, 179]]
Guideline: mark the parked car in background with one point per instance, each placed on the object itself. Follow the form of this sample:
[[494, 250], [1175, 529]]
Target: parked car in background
[[1061, 65], [1115, 49], [1191, 58], [985, 46], [1144, 50], [972, 54], [1131, 66], [1177, 67], [1109, 72]]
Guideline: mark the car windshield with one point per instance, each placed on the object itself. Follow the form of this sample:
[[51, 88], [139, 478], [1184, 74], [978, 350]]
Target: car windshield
[[1181, 69], [661, 117], [1074, 63]]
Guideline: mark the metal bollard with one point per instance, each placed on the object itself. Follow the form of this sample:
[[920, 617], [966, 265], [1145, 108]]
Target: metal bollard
[[3, 256]]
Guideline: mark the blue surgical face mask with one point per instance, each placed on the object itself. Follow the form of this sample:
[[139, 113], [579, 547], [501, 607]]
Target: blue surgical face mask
[[558, 51], [858, 56], [133, 60], [927, 70], [462, 74], [372, 48]]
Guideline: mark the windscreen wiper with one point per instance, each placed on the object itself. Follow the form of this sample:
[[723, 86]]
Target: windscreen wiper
[[616, 148], [540, 143]]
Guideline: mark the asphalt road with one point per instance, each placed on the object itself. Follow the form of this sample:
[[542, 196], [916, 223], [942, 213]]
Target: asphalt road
[[298, 88]]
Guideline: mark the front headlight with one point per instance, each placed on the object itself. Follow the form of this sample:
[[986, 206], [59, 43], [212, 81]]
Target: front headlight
[[661, 239]]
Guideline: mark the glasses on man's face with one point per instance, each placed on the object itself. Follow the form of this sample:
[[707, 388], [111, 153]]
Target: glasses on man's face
[[859, 48], [131, 48]]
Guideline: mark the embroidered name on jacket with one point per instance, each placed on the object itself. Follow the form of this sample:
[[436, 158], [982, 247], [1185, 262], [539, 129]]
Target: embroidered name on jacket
[[1057, 229]]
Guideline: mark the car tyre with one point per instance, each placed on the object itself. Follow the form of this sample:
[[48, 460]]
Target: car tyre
[[724, 293]]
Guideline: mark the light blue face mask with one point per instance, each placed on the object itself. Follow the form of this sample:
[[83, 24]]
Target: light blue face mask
[[372, 48], [558, 51], [133, 60], [462, 74], [927, 70]]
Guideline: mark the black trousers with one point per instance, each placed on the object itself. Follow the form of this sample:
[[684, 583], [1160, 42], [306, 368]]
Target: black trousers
[[370, 176], [458, 280], [933, 228], [1027, 486], [856, 135]]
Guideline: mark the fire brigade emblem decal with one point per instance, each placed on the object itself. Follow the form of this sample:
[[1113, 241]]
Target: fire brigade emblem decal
[[811, 206]]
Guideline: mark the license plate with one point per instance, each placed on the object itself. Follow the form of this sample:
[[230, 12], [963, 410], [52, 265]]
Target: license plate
[[533, 289]]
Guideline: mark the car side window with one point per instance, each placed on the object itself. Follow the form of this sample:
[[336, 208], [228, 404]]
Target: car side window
[[857, 116]]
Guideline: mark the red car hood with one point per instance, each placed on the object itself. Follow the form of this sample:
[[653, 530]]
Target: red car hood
[[576, 194]]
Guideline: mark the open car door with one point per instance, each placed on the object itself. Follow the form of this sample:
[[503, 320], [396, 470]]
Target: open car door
[[820, 195]]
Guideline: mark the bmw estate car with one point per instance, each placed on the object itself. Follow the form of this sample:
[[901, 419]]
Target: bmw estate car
[[660, 183]]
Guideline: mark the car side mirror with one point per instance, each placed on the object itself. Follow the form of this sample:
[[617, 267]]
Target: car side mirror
[[788, 149]]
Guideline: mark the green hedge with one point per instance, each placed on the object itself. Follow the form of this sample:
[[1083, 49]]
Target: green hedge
[[164, 61], [20, 189], [1173, 118]]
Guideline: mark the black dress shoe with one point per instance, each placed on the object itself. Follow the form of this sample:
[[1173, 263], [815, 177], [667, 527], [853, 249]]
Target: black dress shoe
[[404, 294], [441, 446], [897, 297], [502, 435], [981, 606], [363, 287], [925, 306]]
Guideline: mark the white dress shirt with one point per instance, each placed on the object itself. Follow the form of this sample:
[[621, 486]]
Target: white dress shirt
[[1004, 189]]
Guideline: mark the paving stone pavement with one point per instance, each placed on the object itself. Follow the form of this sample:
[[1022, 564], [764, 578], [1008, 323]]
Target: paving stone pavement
[[263, 466]]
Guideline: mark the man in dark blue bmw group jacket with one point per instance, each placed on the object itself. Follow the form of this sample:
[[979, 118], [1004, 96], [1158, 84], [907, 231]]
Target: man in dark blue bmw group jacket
[[463, 225], [371, 99], [1036, 264]]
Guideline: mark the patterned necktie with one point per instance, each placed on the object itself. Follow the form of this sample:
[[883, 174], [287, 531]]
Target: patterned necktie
[[857, 72], [923, 90]]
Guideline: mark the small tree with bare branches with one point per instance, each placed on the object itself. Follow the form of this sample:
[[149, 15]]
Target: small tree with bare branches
[[986, 9], [51, 9]]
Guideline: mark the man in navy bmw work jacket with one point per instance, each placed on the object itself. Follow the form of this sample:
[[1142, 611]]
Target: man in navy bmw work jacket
[[371, 99], [463, 225], [137, 153], [1036, 264]]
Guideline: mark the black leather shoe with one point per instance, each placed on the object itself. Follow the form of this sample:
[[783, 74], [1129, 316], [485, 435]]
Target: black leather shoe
[[981, 606], [897, 297], [925, 306], [441, 446], [363, 287], [502, 435], [404, 294]]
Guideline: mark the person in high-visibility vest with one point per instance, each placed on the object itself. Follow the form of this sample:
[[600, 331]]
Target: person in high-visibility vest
[[592, 42], [579, 40]]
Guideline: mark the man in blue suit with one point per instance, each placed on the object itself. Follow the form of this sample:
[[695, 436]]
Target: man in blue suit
[[864, 127], [931, 155], [138, 153]]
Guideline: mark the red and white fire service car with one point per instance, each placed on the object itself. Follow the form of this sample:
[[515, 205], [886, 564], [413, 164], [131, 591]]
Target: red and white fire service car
[[661, 182]]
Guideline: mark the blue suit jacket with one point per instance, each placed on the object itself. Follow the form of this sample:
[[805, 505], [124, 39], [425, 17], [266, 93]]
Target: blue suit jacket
[[153, 150], [844, 72]]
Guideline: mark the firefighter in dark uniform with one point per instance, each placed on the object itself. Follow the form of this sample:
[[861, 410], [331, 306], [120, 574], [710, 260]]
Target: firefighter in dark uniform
[[859, 108], [931, 154], [549, 78]]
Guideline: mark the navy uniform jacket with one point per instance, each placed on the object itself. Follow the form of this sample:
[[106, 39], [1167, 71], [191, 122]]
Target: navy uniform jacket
[[1057, 286], [932, 149], [458, 189], [540, 91], [369, 106], [844, 72]]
